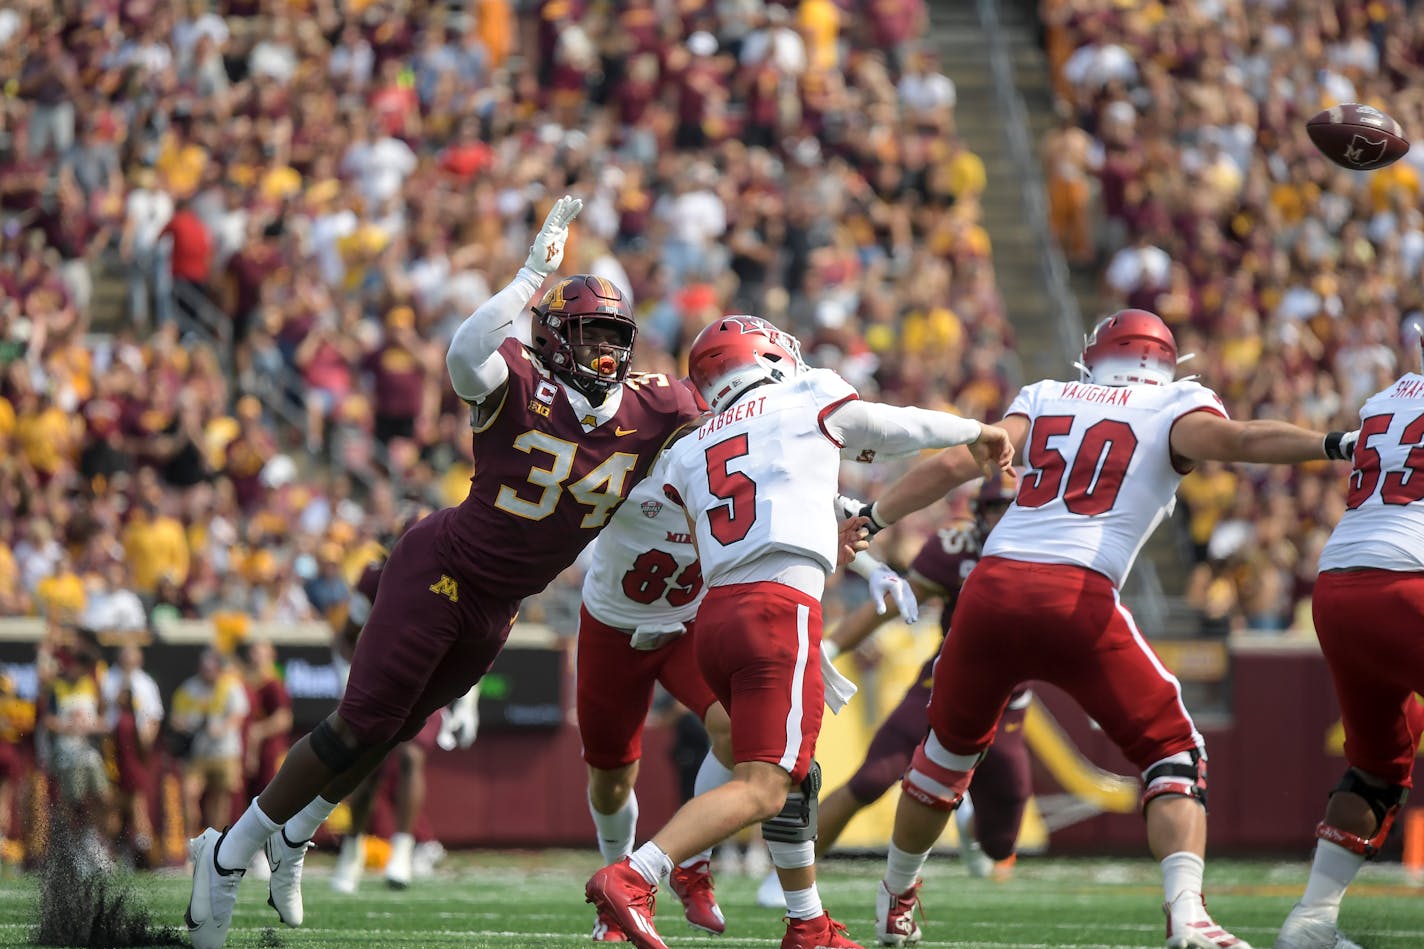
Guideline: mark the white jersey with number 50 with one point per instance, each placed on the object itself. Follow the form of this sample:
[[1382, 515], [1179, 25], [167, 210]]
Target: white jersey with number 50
[[1101, 475], [1383, 524], [761, 477], [644, 564]]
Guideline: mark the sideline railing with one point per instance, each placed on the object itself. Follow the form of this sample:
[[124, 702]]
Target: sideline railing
[[1053, 267]]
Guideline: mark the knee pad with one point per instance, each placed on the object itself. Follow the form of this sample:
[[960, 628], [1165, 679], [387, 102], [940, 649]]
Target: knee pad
[[1384, 802], [796, 822], [1182, 775], [331, 750], [940, 787]]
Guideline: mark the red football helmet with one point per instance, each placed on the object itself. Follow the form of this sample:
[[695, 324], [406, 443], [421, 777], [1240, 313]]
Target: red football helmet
[[737, 352], [1412, 332], [592, 363], [1129, 347]]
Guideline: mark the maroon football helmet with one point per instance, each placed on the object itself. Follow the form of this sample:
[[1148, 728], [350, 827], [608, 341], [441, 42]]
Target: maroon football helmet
[[1131, 346], [584, 332], [737, 352]]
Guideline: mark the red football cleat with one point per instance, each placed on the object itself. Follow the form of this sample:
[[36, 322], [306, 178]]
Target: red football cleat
[[621, 893], [606, 929], [819, 933], [693, 885]]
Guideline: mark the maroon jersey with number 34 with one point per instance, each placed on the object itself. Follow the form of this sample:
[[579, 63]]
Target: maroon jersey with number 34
[[544, 484]]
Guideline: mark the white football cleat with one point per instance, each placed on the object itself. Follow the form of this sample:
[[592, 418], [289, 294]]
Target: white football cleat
[[1302, 931], [398, 867], [769, 894], [895, 916], [284, 891], [1202, 934], [214, 894], [976, 861], [259, 869], [350, 865]]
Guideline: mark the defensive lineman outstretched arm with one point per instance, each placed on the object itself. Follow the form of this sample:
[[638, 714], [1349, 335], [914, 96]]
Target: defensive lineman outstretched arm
[[476, 369]]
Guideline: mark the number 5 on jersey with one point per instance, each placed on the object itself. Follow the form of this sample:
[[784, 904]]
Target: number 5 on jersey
[[733, 518]]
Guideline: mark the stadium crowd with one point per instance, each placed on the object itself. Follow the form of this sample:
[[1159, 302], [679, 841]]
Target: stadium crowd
[[301, 204], [334, 189], [1180, 167]]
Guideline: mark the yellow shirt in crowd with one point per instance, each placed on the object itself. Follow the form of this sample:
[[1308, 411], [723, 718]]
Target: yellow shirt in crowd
[[155, 548], [61, 595], [45, 439], [820, 23]]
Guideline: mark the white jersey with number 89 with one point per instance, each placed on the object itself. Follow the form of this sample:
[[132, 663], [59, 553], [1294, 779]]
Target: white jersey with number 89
[[1101, 475], [761, 477], [1383, 524], [644, 564]]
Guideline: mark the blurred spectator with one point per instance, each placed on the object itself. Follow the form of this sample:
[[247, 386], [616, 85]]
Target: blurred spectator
[[210, 708], [269, 724], [134, 713], [73, 723]]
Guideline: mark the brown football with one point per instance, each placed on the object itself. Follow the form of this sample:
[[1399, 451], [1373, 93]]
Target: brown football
[[1358, 137]]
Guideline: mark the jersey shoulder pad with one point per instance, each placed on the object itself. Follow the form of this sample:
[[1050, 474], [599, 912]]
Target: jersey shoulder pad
[[1187, 395], [825, 386], [1027, 400]]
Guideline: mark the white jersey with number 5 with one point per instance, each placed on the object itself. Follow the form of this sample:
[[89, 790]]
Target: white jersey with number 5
[[1101, 475], [761, 477], [1383, 524], [644, 564]]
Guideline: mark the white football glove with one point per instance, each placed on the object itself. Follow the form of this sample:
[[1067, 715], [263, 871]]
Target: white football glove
[[547, 251], [460, 721], [884, 581]]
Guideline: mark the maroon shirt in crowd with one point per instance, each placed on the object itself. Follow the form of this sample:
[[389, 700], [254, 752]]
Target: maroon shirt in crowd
[[399, 379]]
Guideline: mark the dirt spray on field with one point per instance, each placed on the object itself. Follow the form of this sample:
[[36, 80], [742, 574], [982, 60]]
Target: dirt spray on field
[[84, 904]]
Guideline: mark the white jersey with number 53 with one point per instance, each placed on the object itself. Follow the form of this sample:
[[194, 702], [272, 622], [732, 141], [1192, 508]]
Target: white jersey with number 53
[[1383, 524], [644, 564], [761, 477], [1101, 475]]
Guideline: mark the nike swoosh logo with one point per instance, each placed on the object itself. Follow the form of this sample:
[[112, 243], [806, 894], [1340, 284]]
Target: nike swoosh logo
[[620, 432]]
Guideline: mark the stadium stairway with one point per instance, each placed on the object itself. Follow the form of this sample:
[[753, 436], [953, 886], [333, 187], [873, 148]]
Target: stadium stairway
[[965, 49]]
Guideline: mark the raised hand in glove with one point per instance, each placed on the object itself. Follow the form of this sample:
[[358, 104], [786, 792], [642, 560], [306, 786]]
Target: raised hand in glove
[[547, 251]]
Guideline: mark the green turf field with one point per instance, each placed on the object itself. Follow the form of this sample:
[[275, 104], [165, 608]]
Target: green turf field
[[535, 900]]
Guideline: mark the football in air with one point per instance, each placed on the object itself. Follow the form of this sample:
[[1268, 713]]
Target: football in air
[[1358, 137]]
